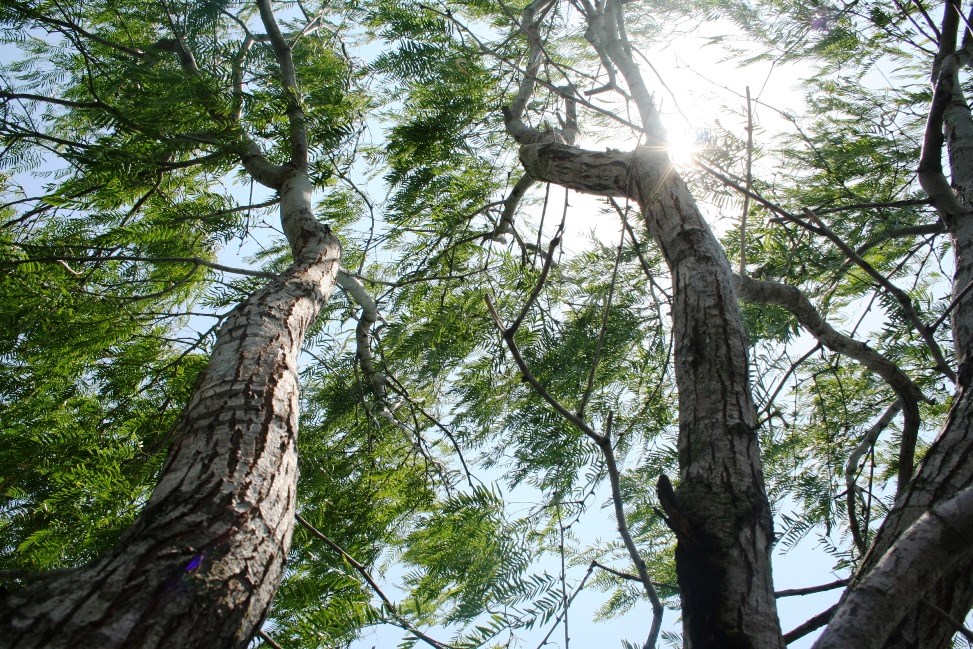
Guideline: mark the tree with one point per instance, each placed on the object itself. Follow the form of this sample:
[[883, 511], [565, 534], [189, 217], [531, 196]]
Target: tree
[[484, 352]]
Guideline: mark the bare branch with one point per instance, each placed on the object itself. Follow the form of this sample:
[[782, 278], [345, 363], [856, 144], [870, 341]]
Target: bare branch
[[852, 468], [81, 105], [506, 223], [195, 261], [611, 467], [288, 79], [792, 299], [266, 638], [602, 441], [529, 377], [813, 624], [363, 571], [363, 331], [567, 605], [606, 33], [817, 226], [910, 231], [810, 590], [545, 269], [604, 328], [748, 186]]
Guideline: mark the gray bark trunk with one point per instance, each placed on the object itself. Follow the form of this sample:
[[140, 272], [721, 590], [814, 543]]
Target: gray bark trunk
[[201, 564], [947, 468], [719, 509]]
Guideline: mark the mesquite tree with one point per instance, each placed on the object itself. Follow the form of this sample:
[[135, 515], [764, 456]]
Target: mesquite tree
[[478, 349]]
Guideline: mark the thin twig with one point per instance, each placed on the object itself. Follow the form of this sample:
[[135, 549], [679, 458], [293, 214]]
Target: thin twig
[[557, 620], [545, 269], [810, 590], [196, 261], [604, 328], [615, 481], [956, 624], [952, 305], [858, 531], [529, 377], [363, 571], [748, 185]]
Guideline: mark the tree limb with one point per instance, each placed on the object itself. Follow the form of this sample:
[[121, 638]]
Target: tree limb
[[288, 79], [927, 551], [363, 331], [794, 301], [852, 468], [363, 571], [196, 261], [810, 590], [813, 624]]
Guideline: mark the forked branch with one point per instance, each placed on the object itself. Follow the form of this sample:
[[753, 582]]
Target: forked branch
[[602, 441], [794, 301]]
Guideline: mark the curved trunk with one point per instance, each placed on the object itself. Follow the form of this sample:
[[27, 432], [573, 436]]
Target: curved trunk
[[201, 564], [723, 555], [945, 471], [719, 510], [947, 468]]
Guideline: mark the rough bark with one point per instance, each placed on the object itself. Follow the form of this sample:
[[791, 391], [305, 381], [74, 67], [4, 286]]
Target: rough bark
[[931, 548], [201, 564], [723, 551], [947, 468]]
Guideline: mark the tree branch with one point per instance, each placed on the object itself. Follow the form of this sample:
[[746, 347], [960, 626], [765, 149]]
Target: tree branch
[[363, 571], [363, 331], [748, 186], [852, 468], [288, 79], [929, 549], [818, 227], [266, 638], [602, 441], [956, 624], [810, 590], [794, 301], [592, 172], [813, 624], [196, 261]]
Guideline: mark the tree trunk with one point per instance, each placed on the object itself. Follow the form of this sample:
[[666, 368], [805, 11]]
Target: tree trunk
[[719, 510], [201, 564], [947, 468]]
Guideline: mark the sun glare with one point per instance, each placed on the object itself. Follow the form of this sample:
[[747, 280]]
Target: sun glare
[[684, 144]]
